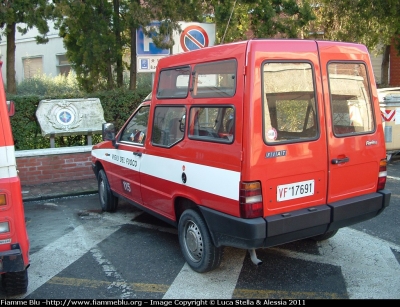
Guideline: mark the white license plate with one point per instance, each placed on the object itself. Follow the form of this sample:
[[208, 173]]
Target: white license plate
[[295, 190], [6, 241]]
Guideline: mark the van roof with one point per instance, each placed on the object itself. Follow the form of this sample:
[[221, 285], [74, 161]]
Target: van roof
[[237, 49]]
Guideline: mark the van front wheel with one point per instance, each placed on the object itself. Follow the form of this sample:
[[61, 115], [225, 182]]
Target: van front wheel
[[197, 247], [108, 201]]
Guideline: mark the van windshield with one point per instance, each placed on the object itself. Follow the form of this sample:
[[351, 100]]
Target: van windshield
[[147, 98]]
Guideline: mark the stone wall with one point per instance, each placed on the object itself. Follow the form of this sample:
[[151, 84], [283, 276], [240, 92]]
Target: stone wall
[[54, 164]]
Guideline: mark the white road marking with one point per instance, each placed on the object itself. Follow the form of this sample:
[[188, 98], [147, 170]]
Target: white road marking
[[391, 177], [219, 283], [368, 264], [369, 267], [55, 257], [111, 271]]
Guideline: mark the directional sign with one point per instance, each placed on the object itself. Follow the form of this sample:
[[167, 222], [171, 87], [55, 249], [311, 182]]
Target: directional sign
[[145, 45]]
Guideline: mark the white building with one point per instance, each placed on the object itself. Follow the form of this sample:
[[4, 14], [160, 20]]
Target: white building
[[32, 58]]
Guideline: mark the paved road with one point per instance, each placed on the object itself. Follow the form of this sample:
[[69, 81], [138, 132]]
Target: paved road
[[79, 252]]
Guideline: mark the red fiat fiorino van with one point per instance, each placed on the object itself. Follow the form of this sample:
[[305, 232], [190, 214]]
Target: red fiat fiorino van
[[251, 145]]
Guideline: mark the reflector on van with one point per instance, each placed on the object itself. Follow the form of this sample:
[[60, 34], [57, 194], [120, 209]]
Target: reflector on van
[[3, 200], [4, 227], [382, 175]]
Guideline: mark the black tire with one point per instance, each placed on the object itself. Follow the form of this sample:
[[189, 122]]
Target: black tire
[[196, 244], [325, 236], [15, 283], [108, 201]]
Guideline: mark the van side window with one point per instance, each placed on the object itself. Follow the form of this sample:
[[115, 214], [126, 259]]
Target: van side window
[[212, 124], [168, 125], [136, 130], [289, 105], [173, 83], [214, 79], [351, 104]]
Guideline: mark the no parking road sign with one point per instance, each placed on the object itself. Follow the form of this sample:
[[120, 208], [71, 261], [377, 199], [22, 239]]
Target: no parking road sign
[[194, 36]]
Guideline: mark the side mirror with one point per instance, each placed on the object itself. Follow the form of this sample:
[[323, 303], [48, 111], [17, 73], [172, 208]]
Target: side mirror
[[11, 108], [108, 132]]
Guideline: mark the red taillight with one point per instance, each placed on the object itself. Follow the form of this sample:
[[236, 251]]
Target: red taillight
[[382, 175], [251, 204]]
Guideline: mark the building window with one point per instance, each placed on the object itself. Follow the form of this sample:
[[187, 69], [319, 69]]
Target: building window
[[63, 65], [32, 66]]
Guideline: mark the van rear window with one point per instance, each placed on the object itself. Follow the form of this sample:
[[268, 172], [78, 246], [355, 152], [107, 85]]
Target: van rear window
[[214, 79], [289, 105], [351, 105], [173, 83]]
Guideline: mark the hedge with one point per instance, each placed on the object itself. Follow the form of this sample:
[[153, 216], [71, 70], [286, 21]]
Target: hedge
[[118, 105]]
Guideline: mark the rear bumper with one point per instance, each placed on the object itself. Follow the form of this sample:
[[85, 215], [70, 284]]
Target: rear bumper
[[278, 229], [11, 261]]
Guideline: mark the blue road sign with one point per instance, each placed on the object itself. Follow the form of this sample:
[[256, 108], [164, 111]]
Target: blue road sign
[[145, 45], [144, 63]]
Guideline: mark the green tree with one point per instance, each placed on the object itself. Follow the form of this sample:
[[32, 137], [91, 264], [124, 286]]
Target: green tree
[[238, 20], [283, 18], [86, 29], [22, 15], [97, 33], [374, 23]]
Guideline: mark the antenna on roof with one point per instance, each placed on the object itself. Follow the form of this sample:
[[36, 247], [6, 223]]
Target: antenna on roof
[[227, 25]]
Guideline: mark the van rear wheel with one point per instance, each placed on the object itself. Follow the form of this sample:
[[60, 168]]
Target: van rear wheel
[[15, 283], [108, 201], [196, 244]]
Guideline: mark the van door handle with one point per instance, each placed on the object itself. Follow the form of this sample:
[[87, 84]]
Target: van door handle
[[139, 154], [338, 161]]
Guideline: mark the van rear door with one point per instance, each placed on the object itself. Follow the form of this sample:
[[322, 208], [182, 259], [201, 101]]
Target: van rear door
[[287, 143], [354, 132]]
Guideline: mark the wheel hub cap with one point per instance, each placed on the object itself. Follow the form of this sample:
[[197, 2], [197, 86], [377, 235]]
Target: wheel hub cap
[[194, 241]]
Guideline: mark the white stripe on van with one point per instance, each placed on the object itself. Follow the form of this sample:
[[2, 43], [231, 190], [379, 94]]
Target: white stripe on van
[[217, 181], [8, 163]]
